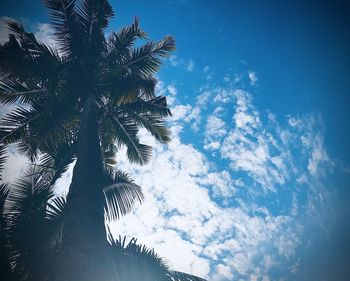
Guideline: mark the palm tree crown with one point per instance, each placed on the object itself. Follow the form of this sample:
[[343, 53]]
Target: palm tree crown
[[51, 87]]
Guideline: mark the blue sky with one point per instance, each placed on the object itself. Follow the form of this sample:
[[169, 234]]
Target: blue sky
[[254, 185]]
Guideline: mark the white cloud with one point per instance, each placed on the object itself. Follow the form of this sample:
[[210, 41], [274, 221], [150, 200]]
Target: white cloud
[[224, 271], [318, 154], [186, 206], [173, 60], [14, 165], [215, 130], [190, 66], [252, 77], [3, 29], [172, 90], [44, 33]]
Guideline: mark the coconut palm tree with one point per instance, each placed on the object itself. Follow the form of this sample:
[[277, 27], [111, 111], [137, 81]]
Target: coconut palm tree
[[83, 101]]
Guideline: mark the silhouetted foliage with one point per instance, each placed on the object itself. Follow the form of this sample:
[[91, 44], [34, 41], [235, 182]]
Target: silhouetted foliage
[[80, 100]]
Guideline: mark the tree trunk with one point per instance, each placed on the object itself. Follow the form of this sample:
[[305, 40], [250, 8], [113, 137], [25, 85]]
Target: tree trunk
[[84, 240]]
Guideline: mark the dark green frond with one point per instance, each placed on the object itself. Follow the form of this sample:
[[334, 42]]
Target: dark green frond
[[154, 125], [125, 131], [58, 157], [121, 196], [95, 14], [149, 115], [128, 88], [148, 58], [3, 157], [18, 63], [4, 191], [120, 43], [13, 92], [134, 262], [156, 107], [28, 42], [28, 235], [14, 125], [55, 220], [55, 209], [64, 20], [27, 61]]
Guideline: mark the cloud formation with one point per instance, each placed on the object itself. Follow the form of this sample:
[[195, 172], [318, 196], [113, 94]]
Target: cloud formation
[[234, 206], [218, 211]]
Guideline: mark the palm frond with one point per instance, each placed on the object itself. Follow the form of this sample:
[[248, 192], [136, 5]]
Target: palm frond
[[125, 131], [55, 209], [3, 158], [26, 61], [13, 92], [4, 191], [55, 220], [95, 14], [29, 236], [18, 62], [154, 125], [58, 157], [46, 53], [14, 125], [133, 262], [38, 126], [148, 58], [120, 43], [121, 195], [64, 20], [149, 114], [129, 88], [156, 107]]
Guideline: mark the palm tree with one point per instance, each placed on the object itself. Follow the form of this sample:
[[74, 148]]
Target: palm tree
[[82, 101], [31, 228]]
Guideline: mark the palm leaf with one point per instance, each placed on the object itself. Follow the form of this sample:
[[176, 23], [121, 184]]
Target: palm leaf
[[154, 125], [27, 62], [120, 43], [55, 220], [121, 196], [3, 158], [4, 191], [148, 58], [128, 88], [64, 20], [156, 107], [25, 210], [133, 262], [125, 131], [95, 12], [137, 262], [14, 125]]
